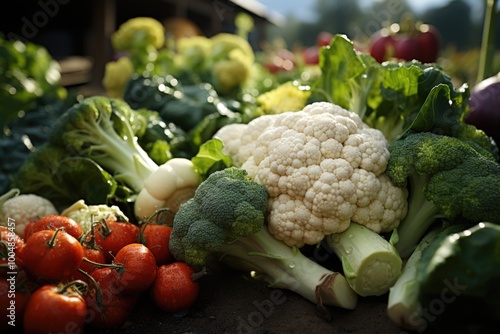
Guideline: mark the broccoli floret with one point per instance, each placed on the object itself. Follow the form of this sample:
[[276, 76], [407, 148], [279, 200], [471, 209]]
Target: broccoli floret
[[447, 178], [226, 218], [103, 130]]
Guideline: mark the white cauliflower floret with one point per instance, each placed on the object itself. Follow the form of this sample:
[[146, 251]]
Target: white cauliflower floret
[[322, 167], [86, 215], [23, 208]]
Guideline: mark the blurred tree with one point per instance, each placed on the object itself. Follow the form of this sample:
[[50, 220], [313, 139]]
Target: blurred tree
[[454, 21], [455, 25]]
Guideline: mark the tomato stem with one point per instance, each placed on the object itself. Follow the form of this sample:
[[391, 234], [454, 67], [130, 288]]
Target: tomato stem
[[104, 229], [91, 242], [52, 242], [162, 216], [117, 266], [197, 275], [98, 296], [77, 285]]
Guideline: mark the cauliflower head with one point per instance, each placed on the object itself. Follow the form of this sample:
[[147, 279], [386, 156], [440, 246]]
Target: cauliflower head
[[116, 75], [230, 58], [288, 96], [21, 209], [192, 52], [86, 215], [137, 33], [322, 167]]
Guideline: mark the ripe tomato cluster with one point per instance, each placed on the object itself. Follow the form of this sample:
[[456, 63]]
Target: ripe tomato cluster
[[61, 277], [415, 42]]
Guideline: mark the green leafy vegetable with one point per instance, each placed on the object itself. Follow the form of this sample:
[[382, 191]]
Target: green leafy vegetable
[[392, 97]]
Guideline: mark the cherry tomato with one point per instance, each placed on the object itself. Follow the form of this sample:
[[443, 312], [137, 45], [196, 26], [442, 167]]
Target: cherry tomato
[[27, 230], [56, 309], [112, 235], [173, 289], [156, 237], [90, 255], [52, 222], [139, 267], [107, 306], [52, 255], [11, 249], [14, 297]]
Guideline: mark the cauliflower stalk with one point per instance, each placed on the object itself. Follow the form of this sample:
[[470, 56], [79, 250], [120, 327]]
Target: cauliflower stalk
[[23, 208], [324, 169]]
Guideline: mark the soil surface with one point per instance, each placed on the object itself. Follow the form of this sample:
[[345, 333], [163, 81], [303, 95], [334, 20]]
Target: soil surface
[[231, 302]]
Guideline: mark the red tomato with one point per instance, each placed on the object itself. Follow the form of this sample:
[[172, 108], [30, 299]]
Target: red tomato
[[55, 309], [52, 222], [139, 268], [311, 55], [107, 306], [11, 249], [405, 47], [421, 43], [27, 230], [281, 60], [156, 237], [113, 235], [429, 42], [52, 255], [324, 38], [381, 45], [173, 289], [13, 300], [89, 254]]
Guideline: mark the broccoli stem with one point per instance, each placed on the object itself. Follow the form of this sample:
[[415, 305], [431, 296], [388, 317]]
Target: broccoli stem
[[121, 154], [370, 263], [403, 306], [286, 267], [421, 214]]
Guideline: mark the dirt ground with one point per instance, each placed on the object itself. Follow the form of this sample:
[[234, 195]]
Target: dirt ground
[[232, 303]]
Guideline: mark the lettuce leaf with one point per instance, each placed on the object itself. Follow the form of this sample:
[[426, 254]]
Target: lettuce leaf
[[394, 97]]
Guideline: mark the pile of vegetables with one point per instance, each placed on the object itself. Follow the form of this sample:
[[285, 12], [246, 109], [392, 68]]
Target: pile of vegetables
[[197, 152]]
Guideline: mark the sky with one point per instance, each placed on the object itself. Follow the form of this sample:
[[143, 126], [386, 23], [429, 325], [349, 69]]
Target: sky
[[303, 9]]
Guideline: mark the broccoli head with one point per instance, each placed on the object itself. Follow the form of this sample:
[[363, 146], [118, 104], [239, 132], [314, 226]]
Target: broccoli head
[[226, 217], [226, 206], [446, 178], [105, 130]]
